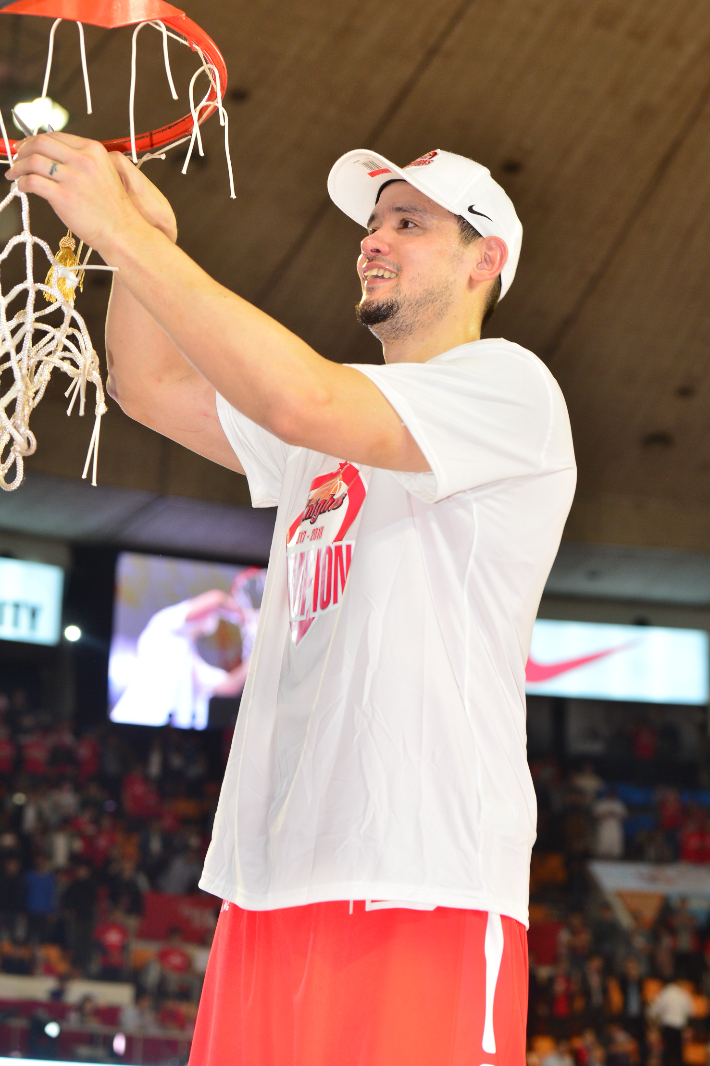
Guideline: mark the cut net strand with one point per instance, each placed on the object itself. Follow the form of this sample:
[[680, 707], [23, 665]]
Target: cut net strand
[[84, 66], [206, 68]]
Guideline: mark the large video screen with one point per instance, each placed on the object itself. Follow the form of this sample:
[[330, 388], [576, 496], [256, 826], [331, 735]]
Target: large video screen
[[183, 632], [644, 664]]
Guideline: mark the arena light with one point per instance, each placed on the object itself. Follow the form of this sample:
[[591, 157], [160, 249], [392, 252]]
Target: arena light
[[19, 799], [119, 1044], [40, 113], [72, 633], [52, 1029]]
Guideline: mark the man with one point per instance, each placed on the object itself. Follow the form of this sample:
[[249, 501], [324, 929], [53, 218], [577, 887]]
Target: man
[[672, 1009], [373, 837]]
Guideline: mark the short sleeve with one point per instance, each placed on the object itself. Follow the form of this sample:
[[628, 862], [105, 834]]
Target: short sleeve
[[484, 416], [262, 455]]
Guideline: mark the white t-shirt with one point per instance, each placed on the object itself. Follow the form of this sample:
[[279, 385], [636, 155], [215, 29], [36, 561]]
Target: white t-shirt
[[380, 747]]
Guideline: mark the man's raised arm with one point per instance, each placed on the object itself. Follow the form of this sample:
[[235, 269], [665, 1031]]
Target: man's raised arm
[[258, 365], [148, 376]]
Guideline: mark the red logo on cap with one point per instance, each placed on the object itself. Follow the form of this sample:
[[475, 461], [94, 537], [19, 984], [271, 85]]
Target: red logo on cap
[[423, 160]]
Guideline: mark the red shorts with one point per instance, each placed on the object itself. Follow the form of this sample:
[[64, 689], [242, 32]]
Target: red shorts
[[319, 986]]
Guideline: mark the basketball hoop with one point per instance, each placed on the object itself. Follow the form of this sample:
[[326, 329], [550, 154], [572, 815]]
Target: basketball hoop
[[111, 14], [66, 345]]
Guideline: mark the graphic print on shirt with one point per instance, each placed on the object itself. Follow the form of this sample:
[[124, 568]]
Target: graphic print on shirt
[[318, 555]]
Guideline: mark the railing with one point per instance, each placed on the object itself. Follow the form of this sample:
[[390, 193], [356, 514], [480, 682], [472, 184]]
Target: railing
[[155, 1047]]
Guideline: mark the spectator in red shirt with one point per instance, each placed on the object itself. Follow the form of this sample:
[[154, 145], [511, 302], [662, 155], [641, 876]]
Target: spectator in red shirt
[[35, 754], [692, 839], [87, 753], [8, 751], [670, 816], [113, 936], [140, 799], [645, 742], [103, 842], [175, 965], [62, 752]]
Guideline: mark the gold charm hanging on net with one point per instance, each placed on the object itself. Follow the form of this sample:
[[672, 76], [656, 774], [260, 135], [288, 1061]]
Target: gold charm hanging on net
[[66, 257]]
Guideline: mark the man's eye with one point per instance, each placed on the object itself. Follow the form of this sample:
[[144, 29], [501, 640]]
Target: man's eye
[[407, 222]]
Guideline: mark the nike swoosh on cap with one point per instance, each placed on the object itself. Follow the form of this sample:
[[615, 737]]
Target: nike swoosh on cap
[[535, 672]]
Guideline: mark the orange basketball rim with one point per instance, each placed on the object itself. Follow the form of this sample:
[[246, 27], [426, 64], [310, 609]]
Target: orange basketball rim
[[114, 13]]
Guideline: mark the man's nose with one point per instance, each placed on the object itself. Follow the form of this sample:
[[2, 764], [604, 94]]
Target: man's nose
[[375, 244]]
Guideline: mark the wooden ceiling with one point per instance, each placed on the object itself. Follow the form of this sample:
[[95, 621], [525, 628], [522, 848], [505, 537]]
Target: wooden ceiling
[[593, 114]]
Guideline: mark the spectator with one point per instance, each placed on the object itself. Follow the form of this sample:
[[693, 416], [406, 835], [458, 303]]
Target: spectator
[[175, 965], [113, 936], [86, 1013], [13, 897], [140, 1017], [593, 985], [201, 954], [183, 873], [622, 1049], [633, 1013], [61, 842], [104, 841], [88, 751], [127, 887], [664, 953], [79, 903], [62, 751], [579, 942], [17, 956], [670, 816], [688, 961], [140, 798], [8, 753], [35, 754], [605, 933], [672, 1008], [61, 804], [645, 742], [41, 887], [609, 813], [154, 766], [560, 1056], [588, 782], [693, 838], [152, 847]]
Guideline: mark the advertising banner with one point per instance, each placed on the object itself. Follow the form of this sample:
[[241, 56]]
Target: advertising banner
[[643, 664]]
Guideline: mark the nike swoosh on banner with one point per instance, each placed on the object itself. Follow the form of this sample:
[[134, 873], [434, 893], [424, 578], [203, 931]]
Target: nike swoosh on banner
[[535, 672]]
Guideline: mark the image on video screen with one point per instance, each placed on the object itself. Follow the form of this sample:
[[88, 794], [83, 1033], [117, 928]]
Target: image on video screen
[[183, 632]]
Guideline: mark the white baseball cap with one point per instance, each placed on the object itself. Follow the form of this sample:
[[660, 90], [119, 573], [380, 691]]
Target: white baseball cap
[[459, 184]]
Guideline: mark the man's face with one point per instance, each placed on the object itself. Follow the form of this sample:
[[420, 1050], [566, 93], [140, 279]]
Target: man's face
[[412, 263]]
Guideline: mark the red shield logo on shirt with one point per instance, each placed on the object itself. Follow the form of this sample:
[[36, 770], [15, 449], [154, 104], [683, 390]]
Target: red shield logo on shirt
[[318, 555]]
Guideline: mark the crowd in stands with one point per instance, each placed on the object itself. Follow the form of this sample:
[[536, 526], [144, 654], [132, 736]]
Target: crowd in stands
[[608, 987], [91, 826], [87, 828]]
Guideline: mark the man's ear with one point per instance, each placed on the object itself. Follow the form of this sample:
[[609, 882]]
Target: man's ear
[[492, 253]]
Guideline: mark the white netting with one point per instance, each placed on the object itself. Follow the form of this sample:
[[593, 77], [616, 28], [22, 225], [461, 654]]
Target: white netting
[[34, 340]]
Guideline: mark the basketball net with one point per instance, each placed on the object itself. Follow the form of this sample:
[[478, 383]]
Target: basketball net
[[44, 332]]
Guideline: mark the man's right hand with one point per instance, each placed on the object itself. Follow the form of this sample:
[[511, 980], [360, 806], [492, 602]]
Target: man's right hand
[[145, 197]]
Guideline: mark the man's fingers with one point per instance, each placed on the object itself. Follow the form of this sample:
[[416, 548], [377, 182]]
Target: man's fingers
[[129, 174], [35, 183], [41, 165], [45, 144]]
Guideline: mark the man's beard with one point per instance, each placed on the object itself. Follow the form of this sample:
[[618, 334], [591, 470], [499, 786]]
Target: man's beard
[[397, 317]]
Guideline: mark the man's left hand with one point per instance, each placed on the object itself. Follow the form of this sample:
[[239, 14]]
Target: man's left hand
[[78, 179]]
